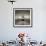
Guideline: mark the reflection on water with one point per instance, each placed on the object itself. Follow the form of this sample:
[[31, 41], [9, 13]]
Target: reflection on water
[[22, 17]]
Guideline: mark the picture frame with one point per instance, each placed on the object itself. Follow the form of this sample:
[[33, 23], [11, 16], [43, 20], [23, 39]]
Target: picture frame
[[22, 17]]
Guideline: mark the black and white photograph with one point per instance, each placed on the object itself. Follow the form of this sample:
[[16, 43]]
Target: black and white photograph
[[22, 17]]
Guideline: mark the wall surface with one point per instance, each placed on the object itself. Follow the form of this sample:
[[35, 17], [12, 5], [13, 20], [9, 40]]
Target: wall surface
[[38, 30]]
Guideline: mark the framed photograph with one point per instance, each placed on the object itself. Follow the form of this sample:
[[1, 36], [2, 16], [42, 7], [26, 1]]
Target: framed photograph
[[22, 17]]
